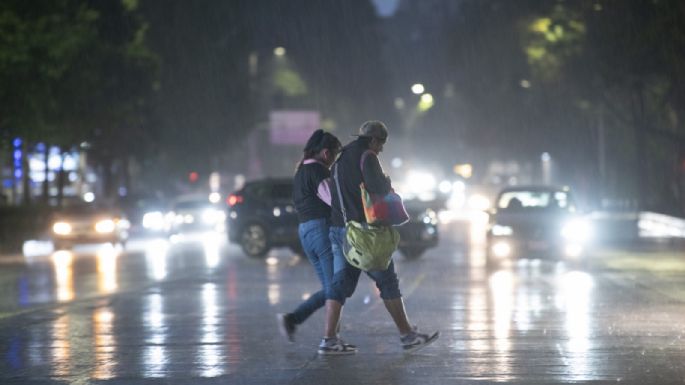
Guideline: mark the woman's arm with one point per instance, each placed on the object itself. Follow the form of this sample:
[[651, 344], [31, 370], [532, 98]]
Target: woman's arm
[[324, 191]]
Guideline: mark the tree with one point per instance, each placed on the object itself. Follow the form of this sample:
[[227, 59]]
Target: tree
[[72, 69], [548, 74], [39, 43], [625, 68]]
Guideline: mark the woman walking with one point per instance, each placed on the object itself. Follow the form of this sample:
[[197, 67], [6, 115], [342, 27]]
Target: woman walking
[[312, 198]]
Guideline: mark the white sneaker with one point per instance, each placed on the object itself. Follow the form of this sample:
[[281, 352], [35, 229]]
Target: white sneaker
[[415, 341], [335, 346]]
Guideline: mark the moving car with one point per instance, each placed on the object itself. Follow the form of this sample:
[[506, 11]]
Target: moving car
[[535, 222], [81, 223], [195, 215], [262, 216], [421, 232], [147, 214]]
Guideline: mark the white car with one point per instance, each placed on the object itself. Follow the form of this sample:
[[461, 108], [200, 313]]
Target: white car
[[536, 222], [88, 223]]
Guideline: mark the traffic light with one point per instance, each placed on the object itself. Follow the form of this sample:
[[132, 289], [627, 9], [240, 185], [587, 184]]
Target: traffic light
[[193, 176]]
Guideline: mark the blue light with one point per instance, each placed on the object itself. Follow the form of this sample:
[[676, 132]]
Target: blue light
[[18, 173], [40, 147], [17, 142], [17, 154]]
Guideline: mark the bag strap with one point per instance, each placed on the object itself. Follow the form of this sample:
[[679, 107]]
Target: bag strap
[[337, 185]]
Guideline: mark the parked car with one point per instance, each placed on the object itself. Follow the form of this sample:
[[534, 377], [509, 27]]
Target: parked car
[[262, 216], [536, 222], [82, 222]]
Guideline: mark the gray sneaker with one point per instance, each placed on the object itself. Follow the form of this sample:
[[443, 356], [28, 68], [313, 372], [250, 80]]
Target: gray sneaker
[[285, 326], [335, 346], [415, 341]]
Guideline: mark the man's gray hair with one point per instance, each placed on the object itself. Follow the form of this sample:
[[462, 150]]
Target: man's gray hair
[[373, 129]]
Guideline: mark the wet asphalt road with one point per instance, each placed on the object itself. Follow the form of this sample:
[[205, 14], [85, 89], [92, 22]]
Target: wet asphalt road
[[202, 313]]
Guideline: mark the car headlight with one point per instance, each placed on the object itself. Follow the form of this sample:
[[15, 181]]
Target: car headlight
[[501, 249], [105, 226], [211, 216], [499, 230], [61, 228], [479, 202], [123, 223], [576, 229], [420, 181], [153, 220], [428, 217], [573, 250]]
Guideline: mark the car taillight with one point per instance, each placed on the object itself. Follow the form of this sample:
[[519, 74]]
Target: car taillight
[[234, 199]]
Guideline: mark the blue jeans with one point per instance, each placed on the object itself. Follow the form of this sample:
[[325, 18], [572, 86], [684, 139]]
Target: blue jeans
[[317, 246], [346, 276]]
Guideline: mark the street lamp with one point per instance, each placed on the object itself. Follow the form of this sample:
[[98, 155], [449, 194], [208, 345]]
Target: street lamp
[[426, 102], [399, 103], [546, 168], [418, 88], [279, 51]]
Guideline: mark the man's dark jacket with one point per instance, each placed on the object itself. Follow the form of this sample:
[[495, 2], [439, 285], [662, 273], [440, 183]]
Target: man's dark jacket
[[350, 177]]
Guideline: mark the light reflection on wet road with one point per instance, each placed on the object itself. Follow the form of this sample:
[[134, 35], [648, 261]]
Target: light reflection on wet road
[[202, 310]]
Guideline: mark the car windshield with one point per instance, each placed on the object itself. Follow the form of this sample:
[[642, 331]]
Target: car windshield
[[79, 209], [530, 199], [281, 190], [190, 205]]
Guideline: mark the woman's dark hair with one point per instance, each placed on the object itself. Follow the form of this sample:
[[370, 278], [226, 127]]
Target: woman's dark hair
[[318, 141]]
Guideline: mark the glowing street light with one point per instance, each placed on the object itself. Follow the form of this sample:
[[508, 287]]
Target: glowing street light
[[399, 103], [546, 159], [417, 88], [426, 102], [279, 51]]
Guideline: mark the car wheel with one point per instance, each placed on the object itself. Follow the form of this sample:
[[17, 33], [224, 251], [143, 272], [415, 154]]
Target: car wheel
[[412, 252], [254, 240]]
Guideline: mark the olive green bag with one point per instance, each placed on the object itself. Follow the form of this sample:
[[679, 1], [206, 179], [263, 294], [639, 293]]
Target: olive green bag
[[367, 247]]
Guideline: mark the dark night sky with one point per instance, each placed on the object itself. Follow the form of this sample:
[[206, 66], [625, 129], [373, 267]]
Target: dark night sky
[[508, 81]]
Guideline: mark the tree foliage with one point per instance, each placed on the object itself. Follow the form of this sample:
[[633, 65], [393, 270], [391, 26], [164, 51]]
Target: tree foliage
[[74, 71], [547, 75]]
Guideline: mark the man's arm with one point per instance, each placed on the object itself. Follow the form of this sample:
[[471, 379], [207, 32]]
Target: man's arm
[[375, 180]]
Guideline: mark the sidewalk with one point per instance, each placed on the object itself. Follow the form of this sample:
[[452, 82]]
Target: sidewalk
[[649, 256]]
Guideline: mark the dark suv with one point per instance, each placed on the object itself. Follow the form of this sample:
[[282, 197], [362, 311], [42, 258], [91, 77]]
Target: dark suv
[[262, 215]]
